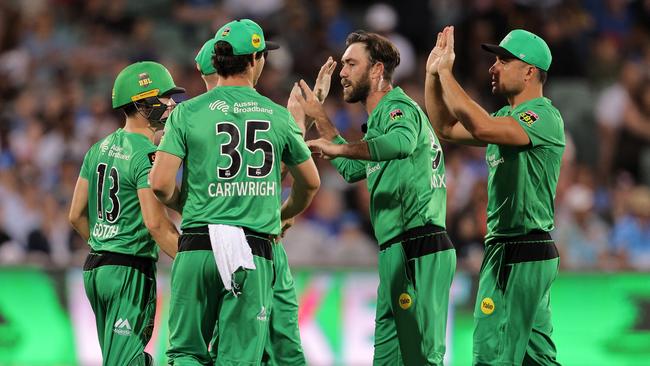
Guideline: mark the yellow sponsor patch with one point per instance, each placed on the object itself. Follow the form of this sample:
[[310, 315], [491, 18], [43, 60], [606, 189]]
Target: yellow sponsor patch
[[405, 301], [256, 40], [147, 94], [487, 306]]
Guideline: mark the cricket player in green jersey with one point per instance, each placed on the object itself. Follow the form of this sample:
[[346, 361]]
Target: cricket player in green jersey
[[525, 143], [115, 210], [231, 141], [284, 346], [401, 158]]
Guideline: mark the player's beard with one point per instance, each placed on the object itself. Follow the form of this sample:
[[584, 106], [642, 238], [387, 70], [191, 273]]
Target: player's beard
[[360, 91]]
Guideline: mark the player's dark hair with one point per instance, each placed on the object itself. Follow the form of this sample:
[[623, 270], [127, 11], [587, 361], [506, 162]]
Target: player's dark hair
[[228, 64], [380, 49], [542, 75]]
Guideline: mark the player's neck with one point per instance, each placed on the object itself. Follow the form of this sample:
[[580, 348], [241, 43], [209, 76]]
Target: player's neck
[[138, 125], [245, 79], [374, 97], [530, 92], [211, 81]]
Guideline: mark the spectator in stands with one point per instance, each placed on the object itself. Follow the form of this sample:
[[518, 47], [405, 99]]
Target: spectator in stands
[[580, 234], [630, 241]]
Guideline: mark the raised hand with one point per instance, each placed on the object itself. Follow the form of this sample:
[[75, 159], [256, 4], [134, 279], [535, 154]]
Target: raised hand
[[324, 79], [295, 108], [309, 102], [434, 57], [446, 61]]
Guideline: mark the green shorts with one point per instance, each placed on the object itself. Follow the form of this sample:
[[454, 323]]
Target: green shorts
[[121, 290], [512, 316], [199, 299], [283, 346], [415, 275]]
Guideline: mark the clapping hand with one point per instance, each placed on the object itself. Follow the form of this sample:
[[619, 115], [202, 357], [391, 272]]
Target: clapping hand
[[442, 56], [324, 79]]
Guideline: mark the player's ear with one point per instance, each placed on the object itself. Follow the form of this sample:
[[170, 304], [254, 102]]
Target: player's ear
[[377, 70], [530, 72]]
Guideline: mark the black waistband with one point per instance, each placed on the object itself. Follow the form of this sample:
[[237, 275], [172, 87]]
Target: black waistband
[[411, 234], [102, 258], [535, 235], [198, 238], [537, 245], [415, 244]]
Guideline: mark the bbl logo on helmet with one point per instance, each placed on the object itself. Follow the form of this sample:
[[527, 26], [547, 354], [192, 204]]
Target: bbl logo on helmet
[[144, 79], [256, 40], [225, 32]]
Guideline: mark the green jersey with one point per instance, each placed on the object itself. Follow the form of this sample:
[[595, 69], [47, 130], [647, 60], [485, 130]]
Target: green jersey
[[231, 140], [116, 167], [406, 178], [522, 179]]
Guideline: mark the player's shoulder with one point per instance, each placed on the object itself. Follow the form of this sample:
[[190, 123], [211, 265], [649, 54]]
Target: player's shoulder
[[104, 143], [538, 109], [399, 105]]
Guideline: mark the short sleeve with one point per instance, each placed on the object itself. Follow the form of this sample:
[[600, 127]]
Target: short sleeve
[[173, 141], [141, 168], [85, 166], [543, 124], [295, 149]]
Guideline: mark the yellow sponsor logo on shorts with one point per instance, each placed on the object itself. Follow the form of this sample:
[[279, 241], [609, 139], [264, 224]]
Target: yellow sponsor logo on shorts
[[487, 306], [405, 301]]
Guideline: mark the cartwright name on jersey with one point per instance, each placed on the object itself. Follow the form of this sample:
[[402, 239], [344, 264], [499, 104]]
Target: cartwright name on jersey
[[226, 189]]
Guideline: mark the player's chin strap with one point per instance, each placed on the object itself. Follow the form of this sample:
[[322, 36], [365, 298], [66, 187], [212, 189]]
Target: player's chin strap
[[152, 109]]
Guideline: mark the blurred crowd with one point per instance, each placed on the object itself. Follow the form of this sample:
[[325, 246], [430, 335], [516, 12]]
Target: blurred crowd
[[58, 60]]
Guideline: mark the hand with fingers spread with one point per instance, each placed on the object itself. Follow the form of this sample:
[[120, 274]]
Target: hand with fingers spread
[[309, 102], [324, 79], [324, 149], [436, 54], [314, 109], [446, 61], [294, 107]]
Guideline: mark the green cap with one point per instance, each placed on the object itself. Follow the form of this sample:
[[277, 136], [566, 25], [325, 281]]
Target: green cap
[[525, 46], [204, 58], [142, 80], [245, 36]]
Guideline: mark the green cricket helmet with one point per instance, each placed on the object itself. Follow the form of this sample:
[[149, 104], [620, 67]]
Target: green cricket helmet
[[142, 83]]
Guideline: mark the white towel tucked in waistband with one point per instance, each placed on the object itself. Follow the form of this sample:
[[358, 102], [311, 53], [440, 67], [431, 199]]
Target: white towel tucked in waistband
[[231, 251]]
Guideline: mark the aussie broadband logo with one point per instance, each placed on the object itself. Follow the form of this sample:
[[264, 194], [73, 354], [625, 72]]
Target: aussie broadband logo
[[372, 168], [493, 160], [122, 327], [220, 105]]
